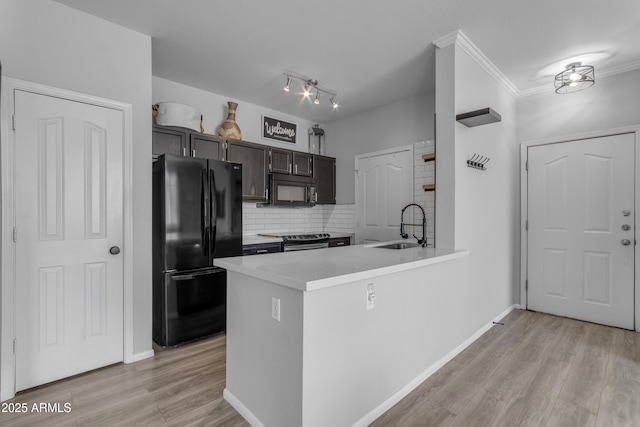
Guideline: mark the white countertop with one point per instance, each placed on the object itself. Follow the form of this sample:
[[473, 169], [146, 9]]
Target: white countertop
[[323, 268]]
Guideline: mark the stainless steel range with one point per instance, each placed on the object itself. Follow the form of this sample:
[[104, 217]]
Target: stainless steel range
[[301, 242]]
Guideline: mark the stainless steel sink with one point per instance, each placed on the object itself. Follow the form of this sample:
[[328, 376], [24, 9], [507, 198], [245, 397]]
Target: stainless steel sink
[[400, 245]]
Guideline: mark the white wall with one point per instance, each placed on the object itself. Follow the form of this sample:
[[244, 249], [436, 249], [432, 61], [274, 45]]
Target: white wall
[[45, 42], [485, 205], [612, 102], [214, 110], [394, 125]]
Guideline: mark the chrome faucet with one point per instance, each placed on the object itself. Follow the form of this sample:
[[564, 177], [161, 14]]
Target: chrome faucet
[[423, 241]]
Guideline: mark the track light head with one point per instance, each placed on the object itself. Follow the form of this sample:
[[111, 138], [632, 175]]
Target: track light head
[[317, 100], [288, 85]]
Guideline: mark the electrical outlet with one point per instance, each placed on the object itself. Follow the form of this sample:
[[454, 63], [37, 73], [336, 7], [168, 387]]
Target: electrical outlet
[[275, 308], [371, 296]]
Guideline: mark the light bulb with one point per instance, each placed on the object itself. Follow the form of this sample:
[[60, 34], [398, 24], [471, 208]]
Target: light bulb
[[305, 92], [317, 100], [574, 77], [286, 88], [334, 104]]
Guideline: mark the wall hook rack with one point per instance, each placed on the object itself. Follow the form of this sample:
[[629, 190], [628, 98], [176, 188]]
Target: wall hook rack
[[478, 162]]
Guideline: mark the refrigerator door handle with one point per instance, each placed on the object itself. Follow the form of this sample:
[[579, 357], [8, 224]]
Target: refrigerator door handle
[[214, 207], [204, 213]]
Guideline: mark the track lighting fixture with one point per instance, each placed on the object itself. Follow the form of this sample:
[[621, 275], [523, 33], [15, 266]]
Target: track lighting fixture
[[309, 84]]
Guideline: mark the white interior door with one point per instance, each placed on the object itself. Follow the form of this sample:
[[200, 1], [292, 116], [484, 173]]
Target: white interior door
[[582, 229], [384, 185], [68, 213]]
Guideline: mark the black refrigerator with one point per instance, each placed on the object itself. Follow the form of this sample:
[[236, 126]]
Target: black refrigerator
[[197, 217]]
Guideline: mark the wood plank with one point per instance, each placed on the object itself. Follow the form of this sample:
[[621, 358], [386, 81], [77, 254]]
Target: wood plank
[[534, 404], [535, 370], [457, 393], [566, 414], [619, 405], [585, 380], [429, 187], [428, 157]]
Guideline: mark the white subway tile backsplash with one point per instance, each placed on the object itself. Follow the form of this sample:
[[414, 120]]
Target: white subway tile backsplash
[[321, 218]]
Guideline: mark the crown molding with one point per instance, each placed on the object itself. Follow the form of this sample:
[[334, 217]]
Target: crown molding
[[447, 40], [612, 71], [461, 40]]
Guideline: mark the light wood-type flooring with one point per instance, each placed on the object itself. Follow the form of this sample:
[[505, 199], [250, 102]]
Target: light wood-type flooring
[[534, 370]]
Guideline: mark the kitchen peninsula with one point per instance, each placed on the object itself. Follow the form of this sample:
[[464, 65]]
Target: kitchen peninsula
[[337, 336]]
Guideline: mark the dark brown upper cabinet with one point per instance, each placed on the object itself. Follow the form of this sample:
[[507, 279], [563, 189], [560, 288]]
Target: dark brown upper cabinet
[[291, 162], [324, 177], [207, 146], [186, 142], [166, 140], [280, 161], [302, 164], [254, 160]]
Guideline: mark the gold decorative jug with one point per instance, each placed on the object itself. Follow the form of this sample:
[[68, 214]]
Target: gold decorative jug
[[229, 128]]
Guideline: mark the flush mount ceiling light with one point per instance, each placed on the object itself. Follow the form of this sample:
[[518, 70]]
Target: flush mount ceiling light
[[575, 77], [308, 86]]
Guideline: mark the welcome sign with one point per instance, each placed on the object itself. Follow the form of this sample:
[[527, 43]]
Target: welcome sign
[[278, 130]]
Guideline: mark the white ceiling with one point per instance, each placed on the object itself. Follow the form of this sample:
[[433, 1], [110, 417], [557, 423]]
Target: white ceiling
[[371, 52]]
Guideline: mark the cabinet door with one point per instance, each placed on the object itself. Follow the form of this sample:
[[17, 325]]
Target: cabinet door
[[339, 241], [168, 141], [281, 161], [302, 164], [207, 146], [324, 177], [253, 158], [261, 248]]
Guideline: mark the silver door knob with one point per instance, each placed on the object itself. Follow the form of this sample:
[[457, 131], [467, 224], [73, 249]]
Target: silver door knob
[[626, 242], [114, 250], [626, 227]]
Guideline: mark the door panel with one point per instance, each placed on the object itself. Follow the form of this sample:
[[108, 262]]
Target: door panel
[[384, 185], [69, 288], [578, 265]]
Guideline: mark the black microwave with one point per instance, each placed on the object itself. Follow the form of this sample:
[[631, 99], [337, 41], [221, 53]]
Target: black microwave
[[289, 190]]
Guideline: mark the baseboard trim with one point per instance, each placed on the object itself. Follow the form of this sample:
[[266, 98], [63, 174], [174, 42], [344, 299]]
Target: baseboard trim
[[397, 397], [242, 410], [144, 355]]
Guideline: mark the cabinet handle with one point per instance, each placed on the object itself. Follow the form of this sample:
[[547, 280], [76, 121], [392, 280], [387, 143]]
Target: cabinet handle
[[340, 244], [184, 152], [262, 251], [193, 153], [266, 193], [289, 168], [295, 169]]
